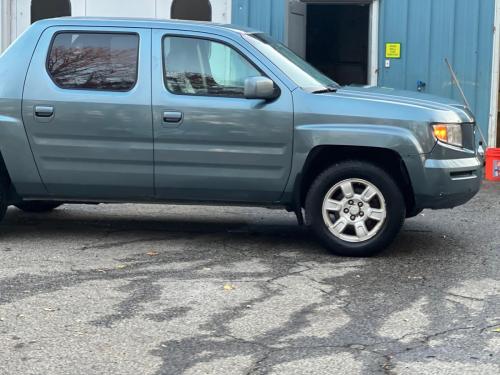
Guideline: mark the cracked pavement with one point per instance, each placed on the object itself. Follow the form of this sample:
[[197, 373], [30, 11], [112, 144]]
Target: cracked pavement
[[154, 289]]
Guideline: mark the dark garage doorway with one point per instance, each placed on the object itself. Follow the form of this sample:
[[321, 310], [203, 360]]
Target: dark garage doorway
[[337, 41], [43, 9]]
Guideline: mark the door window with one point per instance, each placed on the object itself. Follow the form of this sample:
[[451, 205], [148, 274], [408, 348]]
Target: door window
[[94, 61], [203, 67]]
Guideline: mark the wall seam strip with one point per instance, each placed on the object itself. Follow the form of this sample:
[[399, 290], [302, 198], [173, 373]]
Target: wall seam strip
[[495, 75]]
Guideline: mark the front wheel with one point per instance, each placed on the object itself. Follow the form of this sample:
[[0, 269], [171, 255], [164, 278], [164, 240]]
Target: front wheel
[[355, 208]]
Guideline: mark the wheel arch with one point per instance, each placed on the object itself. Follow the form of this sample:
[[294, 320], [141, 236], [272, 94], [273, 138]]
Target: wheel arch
[[6, 182], [322, 157]]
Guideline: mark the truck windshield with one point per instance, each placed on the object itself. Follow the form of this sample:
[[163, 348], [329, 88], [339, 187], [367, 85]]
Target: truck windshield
[[298, 70]]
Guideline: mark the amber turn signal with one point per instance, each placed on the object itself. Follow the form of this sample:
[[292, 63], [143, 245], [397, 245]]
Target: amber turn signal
[[441, 132], [448, 133]]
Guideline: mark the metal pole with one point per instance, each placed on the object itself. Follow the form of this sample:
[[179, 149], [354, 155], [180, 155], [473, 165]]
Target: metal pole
[[457, 83], [459, 86]]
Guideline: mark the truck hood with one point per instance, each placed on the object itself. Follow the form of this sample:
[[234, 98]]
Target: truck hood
[[373, 108], [414, 99]]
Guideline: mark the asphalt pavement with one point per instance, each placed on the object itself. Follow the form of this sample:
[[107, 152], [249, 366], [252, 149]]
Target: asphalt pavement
[[156, 289]]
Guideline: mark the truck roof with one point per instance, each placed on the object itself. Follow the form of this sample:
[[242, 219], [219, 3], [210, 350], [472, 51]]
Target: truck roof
[[144, 23]]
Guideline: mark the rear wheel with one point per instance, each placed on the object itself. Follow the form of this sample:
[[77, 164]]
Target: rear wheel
[[38, 206], [355, 208], [3, 199]]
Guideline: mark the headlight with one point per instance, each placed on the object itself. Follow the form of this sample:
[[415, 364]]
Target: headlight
[[449, 133]]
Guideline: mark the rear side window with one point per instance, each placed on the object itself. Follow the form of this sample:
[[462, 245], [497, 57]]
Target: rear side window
[[94, 61]]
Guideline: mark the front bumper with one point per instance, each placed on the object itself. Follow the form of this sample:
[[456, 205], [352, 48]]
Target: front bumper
[[450, 183], [442, 182]]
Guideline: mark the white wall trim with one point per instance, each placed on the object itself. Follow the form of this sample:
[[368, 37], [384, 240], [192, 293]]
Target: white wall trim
[[221, 11], [78, 8], [5, 12], [1, 25], [229, 11], [166, 8], [13, 20], [374, 43], [495, 79], [23, 19]]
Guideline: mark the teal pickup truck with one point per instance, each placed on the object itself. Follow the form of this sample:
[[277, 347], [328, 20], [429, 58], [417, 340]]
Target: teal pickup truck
[[110, 110]]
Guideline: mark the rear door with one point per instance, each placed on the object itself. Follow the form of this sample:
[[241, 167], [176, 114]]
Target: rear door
[[210, 142], [87, 112]]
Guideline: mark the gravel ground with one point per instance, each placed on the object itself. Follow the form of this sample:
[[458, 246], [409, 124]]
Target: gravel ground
[[153, 289]]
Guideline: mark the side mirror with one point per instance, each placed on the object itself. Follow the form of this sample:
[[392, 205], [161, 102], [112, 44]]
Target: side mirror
[[260, 88]]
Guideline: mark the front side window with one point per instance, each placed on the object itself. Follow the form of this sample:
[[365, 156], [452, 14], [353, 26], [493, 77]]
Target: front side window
[[94, 61], [203, 67]]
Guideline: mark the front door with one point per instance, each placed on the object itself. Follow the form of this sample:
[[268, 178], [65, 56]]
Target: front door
[[87, 112], [210, 142]]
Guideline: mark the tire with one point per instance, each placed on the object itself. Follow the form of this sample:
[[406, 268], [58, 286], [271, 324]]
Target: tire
[[346, 220], [38, 206], [3, 199]]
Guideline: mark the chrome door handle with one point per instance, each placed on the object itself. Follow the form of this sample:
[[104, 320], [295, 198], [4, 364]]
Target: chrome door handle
[[172, 116], [44, 111]]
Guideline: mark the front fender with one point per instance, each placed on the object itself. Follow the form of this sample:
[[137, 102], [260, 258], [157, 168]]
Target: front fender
[[397, 139]]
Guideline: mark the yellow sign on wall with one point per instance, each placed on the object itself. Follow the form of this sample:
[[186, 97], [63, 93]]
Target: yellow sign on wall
[[393, 50]]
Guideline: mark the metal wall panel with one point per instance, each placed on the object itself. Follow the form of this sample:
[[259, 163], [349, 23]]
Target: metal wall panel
[[430, 31], [264, 15]]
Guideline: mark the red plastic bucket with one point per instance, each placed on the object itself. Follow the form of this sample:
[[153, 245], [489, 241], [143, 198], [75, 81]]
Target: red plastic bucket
[[493, 164]]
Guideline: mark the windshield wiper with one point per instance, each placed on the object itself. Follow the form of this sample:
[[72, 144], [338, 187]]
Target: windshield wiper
[[325, 90]]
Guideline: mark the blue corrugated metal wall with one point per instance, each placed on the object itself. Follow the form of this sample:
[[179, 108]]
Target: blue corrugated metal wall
[[430, 30], [265, 15]]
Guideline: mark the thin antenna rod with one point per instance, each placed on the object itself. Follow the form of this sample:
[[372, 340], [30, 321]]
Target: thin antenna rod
[[459, 86], [457, 83]]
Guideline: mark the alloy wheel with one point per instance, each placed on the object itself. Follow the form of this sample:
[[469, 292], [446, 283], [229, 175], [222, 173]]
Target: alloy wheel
[[354, 210]]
